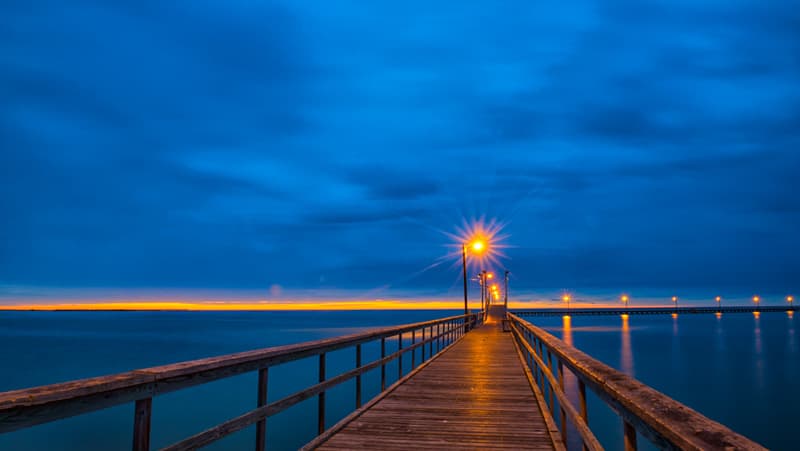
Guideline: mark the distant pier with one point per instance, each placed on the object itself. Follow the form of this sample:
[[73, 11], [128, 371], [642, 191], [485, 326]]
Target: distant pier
[[651, 311]]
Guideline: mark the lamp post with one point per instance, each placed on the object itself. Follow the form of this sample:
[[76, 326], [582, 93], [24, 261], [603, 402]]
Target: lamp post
[[464, 264], [479, 278], [625, 299], [756, 299], [719, 302], [505, 293], [566, 299], [790, 299], [675, 301]]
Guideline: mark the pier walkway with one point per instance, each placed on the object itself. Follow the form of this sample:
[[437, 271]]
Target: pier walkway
[[475, 395]]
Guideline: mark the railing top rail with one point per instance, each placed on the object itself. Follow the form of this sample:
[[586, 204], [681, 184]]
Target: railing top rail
[[677, 423], [146, 382]]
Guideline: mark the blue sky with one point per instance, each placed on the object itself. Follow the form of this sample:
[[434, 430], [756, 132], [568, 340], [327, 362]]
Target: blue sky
[[326, 146]]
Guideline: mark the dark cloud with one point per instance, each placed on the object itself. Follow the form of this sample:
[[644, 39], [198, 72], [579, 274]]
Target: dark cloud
[[324, 146]]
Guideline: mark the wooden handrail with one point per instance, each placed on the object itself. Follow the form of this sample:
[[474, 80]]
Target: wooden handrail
[[28, 407], [659, 418]]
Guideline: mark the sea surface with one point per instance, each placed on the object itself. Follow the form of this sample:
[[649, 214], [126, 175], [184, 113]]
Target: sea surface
[[739, 370]]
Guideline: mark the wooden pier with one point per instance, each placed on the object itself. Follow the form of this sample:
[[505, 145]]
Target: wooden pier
[[614, 311], [471, 384], [474, 396]]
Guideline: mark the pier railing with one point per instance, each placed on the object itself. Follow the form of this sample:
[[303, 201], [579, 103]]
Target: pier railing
[[21, 409], [665, 422]]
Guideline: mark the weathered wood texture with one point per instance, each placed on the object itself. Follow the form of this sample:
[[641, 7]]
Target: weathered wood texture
[[657, 417], [473, 396]]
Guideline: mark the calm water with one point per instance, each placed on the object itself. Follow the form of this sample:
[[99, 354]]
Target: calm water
[[738, 370]]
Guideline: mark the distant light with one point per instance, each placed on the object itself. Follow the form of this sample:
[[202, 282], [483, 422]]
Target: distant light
[[624, 298], [790, 298], [674, 315], [490, 275], [478, 246], [566, 298], [719, 298], [756, 299], [674, 298]]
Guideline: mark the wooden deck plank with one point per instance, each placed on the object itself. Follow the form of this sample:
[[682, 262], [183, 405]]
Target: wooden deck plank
[[474, 396]]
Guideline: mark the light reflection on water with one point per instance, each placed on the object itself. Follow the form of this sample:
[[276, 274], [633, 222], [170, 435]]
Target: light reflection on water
[[739, 369]]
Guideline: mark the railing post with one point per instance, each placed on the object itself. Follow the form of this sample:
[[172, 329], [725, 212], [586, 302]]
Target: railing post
[[383, 365], [321, 397], [549, 363], [358, 377], [541, 376], [563, 412], [438, 337], [422, 359], [413, 349], [261, 426], [400, 356], [141, 424], [629, 436], [584, 411]]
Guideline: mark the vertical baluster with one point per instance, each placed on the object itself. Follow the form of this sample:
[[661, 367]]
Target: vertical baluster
[[422, 360], [563, 412], [584, 412], [400, 356], [141, 424], [629, 433], [358, 377], [542, 378], [413, 349], [261, 426], [321, 397], [549, 363], [383, 365]]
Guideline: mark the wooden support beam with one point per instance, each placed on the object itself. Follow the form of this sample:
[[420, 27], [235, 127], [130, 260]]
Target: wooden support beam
[[141, 424], [261, 426]]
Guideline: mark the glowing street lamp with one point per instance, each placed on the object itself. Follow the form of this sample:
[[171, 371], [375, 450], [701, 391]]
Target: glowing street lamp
[[495, 294], [790, 299], [625, 300], [477, 246], [719, 302], [480, 280], [566, 298], [756, 299]]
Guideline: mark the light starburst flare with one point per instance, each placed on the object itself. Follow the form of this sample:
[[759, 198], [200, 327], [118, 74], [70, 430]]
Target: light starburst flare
[[483, 240]]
